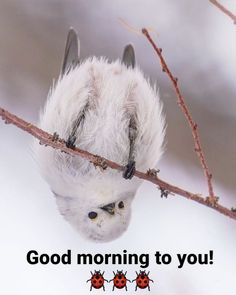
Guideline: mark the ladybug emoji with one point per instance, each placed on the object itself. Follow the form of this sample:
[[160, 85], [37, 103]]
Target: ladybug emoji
[[142, 280], [119, 280], [97, 280]]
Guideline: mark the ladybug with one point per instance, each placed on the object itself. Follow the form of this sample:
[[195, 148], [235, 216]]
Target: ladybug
[[142, 280], [97, 280], [119, 280]]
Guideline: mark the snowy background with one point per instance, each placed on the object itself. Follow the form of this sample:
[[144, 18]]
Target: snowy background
[[199, 44]]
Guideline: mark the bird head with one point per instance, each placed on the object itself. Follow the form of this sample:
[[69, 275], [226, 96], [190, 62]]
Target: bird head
[[100, 222]]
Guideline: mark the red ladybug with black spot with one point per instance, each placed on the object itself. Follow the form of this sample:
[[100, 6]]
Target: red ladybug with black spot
[[97, 280], [142, 280], [119, 280]]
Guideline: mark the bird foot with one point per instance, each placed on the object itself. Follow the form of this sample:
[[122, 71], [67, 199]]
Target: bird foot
[[129, 170], [70, 143]]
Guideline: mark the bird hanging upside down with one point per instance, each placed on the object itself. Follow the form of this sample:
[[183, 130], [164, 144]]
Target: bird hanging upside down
[[108, 109]]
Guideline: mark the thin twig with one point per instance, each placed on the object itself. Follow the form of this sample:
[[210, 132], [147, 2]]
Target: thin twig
[[57, 143], [183, 106], [224, 10]]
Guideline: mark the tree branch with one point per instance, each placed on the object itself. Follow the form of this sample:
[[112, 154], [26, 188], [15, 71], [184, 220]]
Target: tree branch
[[59, 144], [224, 10], [192, 124]]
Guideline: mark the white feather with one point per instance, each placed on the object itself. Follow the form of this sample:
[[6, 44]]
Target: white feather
[[113, 93]]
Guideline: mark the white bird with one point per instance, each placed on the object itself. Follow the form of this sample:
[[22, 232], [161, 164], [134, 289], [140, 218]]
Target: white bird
[[109, 109]]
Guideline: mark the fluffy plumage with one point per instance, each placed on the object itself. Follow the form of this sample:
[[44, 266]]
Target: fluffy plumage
[[109, 93]]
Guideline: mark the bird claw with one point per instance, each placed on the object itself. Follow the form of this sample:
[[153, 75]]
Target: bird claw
[[129, 170], [70, 143]]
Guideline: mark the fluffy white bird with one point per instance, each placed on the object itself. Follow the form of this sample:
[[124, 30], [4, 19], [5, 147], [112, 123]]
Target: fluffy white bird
[[109, 109]]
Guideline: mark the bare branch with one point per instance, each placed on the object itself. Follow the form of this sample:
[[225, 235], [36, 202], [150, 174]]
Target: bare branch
[[224, 10], [57, 143], [192, 124]]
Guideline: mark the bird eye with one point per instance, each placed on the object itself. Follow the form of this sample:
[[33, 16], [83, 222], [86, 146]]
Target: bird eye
[[121, 205], [92, 215]]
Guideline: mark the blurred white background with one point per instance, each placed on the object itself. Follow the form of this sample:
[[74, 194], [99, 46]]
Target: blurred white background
[[199, 44]]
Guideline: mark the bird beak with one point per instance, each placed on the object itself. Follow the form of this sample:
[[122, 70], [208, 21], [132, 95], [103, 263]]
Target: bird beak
[[109, 208]]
